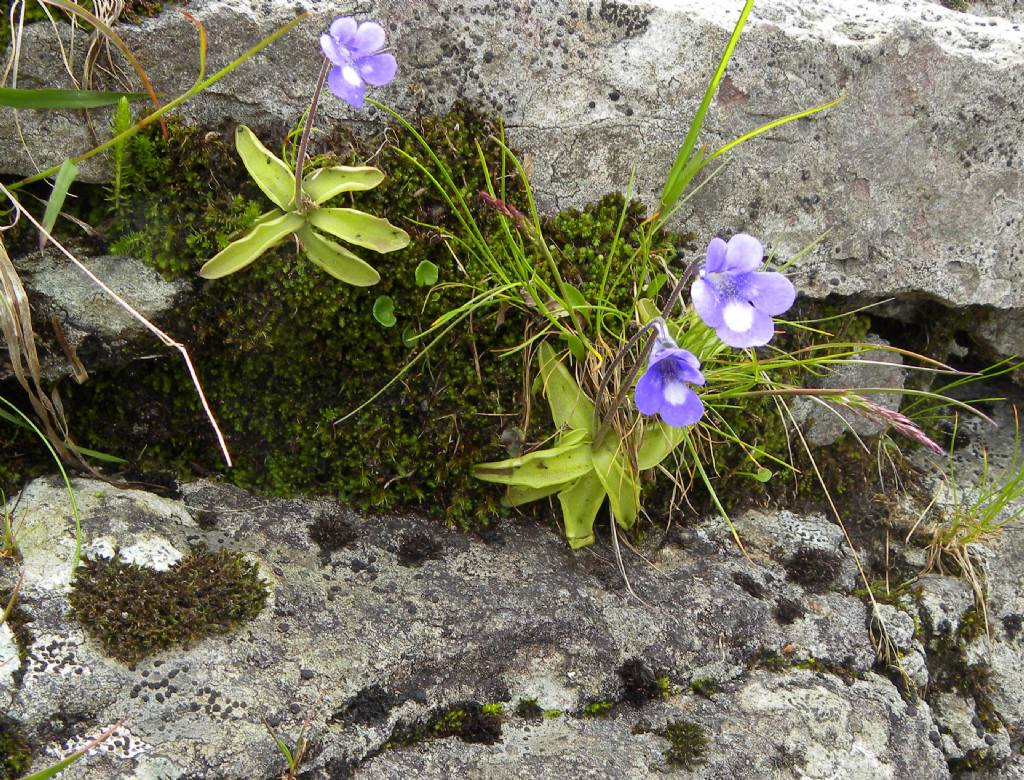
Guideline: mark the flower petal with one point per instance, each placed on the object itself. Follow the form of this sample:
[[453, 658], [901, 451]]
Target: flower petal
[[377, 69], [738, 315], [682, 406], [340, 86], [648, 394], [743, 253], [707, 302], [335, 52], [716, 256], [769, 291], [343, 29], [760, 332], [368, 39]]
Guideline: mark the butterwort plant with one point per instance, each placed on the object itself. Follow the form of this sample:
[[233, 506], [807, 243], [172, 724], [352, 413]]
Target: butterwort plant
[[353, 58]]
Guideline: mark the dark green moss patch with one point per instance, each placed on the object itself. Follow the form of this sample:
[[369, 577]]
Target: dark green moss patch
[[705, 686], [15, 753], [813, 568], [641, 683], [133, 611], [688, 744], [469, 721], [787, 611], [331, 533], [751, 586], [528, 709], [415, 547]]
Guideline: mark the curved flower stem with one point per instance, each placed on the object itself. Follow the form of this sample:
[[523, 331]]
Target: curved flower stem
[[606, 420], [300, 157]]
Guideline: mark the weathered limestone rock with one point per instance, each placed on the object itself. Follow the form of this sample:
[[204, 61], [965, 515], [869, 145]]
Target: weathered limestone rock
[[97, 330], [916, 176], [405, 617]]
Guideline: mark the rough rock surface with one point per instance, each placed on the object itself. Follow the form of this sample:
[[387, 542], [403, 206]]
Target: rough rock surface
[[917, 176], [406, 617], [97, 330]]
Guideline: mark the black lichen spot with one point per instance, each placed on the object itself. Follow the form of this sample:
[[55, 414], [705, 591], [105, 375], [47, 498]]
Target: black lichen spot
[[812, 568], [787, 611], [15, 753], [415, 547], [134, 611], [749, 584], [368, 707], [331, 533], [470, 721], [640, 681], [688, 744], [1012, 625]]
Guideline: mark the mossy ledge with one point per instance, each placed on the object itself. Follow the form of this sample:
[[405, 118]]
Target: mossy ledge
[[134, 611], [15, 753], [284, 351]]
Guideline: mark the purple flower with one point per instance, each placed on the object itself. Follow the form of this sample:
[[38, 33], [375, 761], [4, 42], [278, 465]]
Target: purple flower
[[355, 51], [663, 388], [734, 298]]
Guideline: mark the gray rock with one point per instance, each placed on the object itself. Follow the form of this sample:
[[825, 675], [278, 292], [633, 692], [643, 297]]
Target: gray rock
[[916, 176], [963, 732], [798, 724], [409, 617], [943, 602], [823, 424], [90, 320]]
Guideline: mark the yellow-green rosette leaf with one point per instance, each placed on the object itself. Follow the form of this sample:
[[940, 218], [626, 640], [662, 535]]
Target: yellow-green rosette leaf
[[541, 468], [238, 254], [337, 260], [324, 183], [569, 405], [658, 441], [620, 483], [580, 503], [359, 228], [518, 495], [268, 171]]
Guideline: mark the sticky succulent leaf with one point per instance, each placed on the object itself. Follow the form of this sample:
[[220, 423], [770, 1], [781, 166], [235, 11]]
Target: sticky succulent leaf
[[268, 171], [517, 495], [238, 254], [541, 468], [619, 481], [569, 405], [336, 260], [658, 441], [580, 504], [359, 228], [324, 183]]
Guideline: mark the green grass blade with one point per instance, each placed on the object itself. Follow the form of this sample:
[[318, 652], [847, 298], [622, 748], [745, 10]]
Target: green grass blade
[[673, 186], [54, 99], [67, 173]]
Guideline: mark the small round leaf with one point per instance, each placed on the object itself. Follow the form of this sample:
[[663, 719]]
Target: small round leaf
[[384, 311], [426, 274]]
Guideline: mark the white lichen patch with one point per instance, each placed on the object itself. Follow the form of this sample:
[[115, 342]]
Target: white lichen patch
[[149, 550], [10, 663], [51, 655], [121, 744]]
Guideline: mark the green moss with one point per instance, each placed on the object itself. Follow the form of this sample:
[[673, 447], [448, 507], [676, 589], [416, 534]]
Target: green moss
[[688, 744], [597, 709], [15, 753], [134, 611], [285, 352], [469, 721], [705, 686], [528, 708]]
